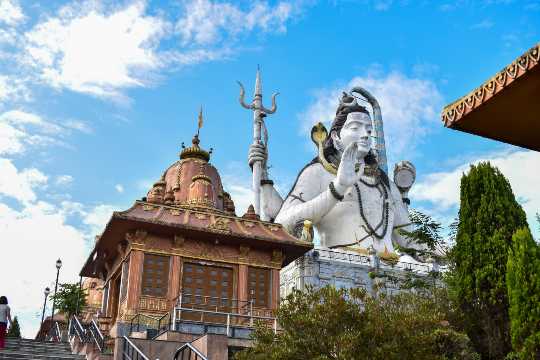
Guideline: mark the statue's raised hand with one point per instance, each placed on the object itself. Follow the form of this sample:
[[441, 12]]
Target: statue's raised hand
[[257, 152], [347, 174]]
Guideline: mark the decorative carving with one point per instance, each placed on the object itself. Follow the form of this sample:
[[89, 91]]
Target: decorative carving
[[277, 256], [201, 216], [249, 224], [175, 212], [147, 207], [137, 236], [274, 227], [221, 225], [121, 247], [519, 67], [244, 251], [178, 241], [151, 303]]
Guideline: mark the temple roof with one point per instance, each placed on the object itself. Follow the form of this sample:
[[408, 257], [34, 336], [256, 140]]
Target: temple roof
[[192, 182], [504, 108], [195, 223]]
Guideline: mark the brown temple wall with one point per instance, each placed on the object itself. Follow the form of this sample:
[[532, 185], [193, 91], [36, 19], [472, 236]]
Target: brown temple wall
[[175, 273], [275, 289], [242, 282], [134, 282]]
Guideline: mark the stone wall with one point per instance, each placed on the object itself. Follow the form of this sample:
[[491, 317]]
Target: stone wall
[[343, 269]]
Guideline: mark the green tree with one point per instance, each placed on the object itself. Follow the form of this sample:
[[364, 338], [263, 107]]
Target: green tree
[[331, 323], [15, 329], [67, 297], [488, 217], [523, 281]]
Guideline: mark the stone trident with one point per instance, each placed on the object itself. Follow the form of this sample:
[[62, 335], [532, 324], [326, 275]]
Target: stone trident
[[260, 170]]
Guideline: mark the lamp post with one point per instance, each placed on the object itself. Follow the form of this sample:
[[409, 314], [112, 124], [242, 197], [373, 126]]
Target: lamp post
[[46, 292], [58, 266]]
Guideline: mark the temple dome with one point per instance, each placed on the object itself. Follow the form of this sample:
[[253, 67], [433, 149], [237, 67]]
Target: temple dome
[[192, 182]]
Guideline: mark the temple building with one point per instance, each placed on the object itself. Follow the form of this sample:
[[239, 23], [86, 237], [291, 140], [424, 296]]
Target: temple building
[[504, 108], [181, 272]]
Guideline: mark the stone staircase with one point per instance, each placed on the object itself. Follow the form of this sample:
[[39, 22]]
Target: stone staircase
[[30, 349]]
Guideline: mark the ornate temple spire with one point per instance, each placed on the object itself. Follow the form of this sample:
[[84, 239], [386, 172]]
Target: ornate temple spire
[[195, 151]]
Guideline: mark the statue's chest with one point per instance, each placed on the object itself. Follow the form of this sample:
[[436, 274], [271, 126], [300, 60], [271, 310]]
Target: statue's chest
[[367, 205]]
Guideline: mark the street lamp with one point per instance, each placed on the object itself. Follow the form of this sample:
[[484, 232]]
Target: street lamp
[[58, 266], [46, 292]]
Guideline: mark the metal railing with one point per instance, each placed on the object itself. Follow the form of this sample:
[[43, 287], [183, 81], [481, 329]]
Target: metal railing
[[220, 311], [188, 352], [144, 321], [164, 323], [54, 334], [218, 304], [76, 329], [97, 336], [131, 352]]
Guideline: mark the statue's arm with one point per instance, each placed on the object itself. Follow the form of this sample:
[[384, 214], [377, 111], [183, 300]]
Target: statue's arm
[[310, 199], [401, 220], [271, 201]]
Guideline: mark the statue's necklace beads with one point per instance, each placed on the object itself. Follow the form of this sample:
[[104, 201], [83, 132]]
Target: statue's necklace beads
[[385, 209]]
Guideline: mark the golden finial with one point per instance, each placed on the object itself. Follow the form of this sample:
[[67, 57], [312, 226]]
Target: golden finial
[[200, 121]]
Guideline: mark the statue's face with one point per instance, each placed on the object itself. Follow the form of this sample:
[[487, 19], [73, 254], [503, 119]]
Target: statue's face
[[357, 128]]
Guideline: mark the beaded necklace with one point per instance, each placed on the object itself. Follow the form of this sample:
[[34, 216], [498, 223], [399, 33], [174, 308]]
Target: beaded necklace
[[385, 209]]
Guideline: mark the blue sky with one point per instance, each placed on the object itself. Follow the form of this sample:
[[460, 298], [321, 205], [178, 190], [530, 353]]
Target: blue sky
[[96, 98]]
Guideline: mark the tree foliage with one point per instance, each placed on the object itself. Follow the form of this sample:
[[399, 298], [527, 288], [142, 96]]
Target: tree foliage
[[15, 329], [331, 323], [67, 297], [488, 217], [523, 281]]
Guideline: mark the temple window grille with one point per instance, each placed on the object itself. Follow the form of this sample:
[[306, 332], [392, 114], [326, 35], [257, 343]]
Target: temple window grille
[[259, 289], [207, 286], [155, 275]]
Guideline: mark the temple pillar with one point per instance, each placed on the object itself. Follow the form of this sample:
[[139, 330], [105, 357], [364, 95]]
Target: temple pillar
[[275, 289], [134, 282], [175, 271], [242, 283]]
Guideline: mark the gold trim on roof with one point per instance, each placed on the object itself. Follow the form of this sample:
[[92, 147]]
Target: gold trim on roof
[[459, 108]]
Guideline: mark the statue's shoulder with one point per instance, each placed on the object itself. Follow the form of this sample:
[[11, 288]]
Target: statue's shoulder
[[312, 174], [314, 170]]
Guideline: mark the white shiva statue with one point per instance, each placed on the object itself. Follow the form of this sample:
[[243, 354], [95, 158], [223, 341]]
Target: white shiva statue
[[343, 192]]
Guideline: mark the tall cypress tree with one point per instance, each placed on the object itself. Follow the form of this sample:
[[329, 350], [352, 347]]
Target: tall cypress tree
[[15, 329], [488, 217], [523, 281]]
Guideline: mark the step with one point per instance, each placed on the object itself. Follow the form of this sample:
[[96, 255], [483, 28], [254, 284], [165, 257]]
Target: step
[[40, 347], [40, 351], [10, 354]]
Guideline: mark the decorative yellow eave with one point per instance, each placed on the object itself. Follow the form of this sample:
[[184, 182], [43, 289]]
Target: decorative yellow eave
[[523, 64], [505, 107]]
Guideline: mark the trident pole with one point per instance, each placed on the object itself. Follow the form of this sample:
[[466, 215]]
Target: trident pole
[[259, 113]]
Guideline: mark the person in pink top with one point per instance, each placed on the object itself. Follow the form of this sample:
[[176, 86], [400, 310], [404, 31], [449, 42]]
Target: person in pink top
[[5, 316]]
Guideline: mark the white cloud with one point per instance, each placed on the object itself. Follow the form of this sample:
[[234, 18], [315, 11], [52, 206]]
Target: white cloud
[[207, 22], [410, 108], [92, 51], [97, 218], [20, 129], [520, 168], [36, 235], [11, 12], [119, 188], [32, 240], [17, 184], [483, 25], [64, 180], [12, 88]]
